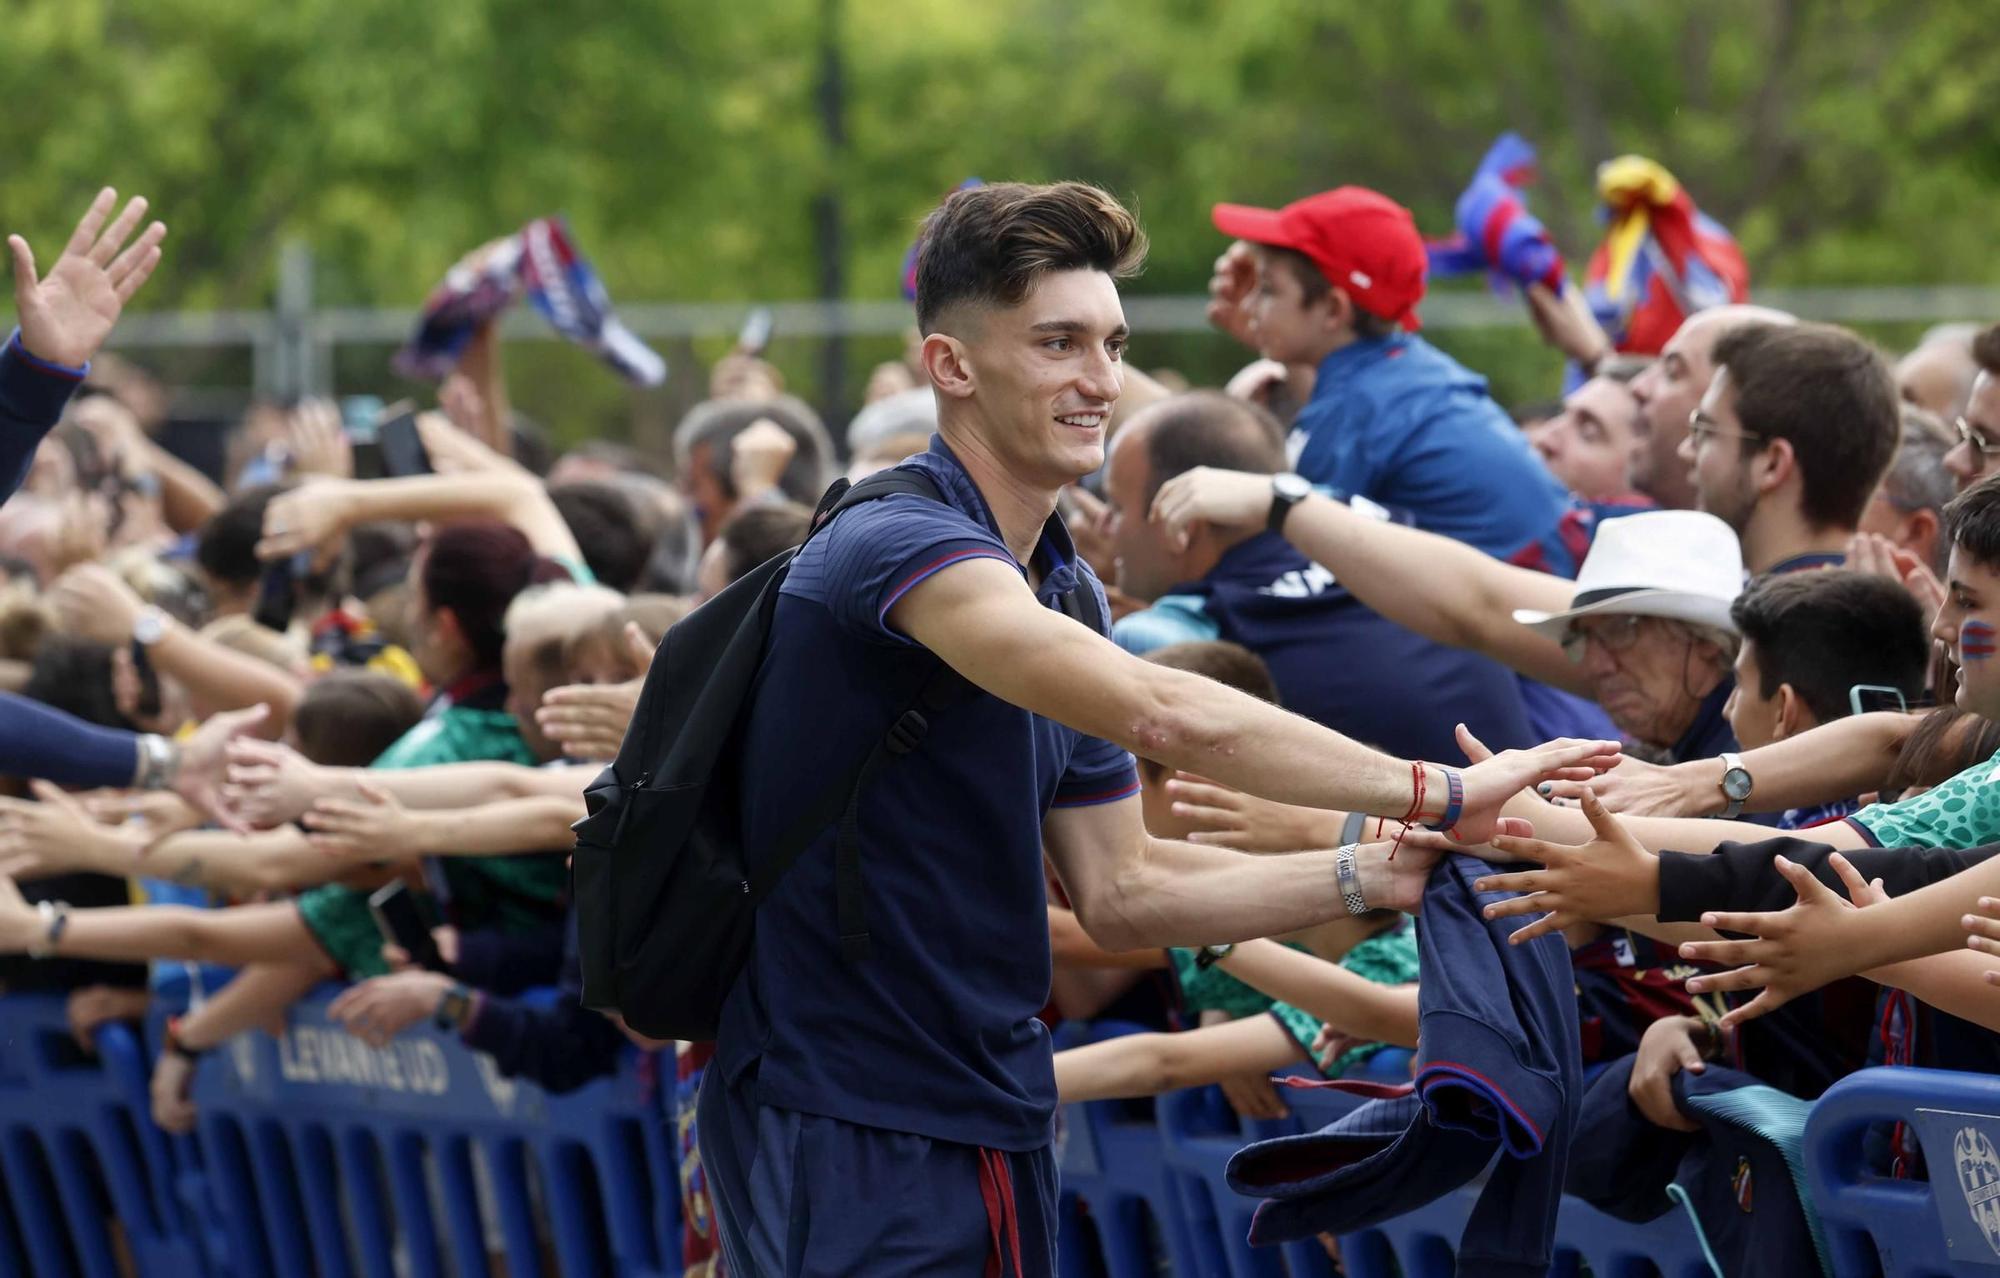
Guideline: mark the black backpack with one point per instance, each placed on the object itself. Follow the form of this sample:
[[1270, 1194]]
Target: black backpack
[[665, 902]]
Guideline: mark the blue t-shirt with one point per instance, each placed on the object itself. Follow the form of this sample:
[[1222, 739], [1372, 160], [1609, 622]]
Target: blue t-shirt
[[935, 1033], [1398, 421], [1335, 660]]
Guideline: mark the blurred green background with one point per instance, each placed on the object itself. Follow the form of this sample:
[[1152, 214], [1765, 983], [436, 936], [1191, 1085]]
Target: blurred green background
[[785, 149]]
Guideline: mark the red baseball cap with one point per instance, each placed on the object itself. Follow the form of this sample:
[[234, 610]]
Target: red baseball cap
[[1365, 244]]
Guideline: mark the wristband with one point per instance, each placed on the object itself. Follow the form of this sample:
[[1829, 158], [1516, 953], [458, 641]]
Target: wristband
[[1454, 803], [55, 918], [1348, 880], [159, 762], [1350, 829], [1209, 955]]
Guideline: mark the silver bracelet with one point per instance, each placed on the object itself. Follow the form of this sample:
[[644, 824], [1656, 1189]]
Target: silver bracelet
[[1350, 882], [55, 918], [159, 761]]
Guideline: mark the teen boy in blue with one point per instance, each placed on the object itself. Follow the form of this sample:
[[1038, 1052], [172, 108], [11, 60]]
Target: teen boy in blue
[[1336, 661], [893, 1114], [1392, 418], [64, 318]]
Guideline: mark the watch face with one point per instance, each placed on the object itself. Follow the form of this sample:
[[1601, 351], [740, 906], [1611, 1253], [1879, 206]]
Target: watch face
[[1291, 487], [1736, 783]]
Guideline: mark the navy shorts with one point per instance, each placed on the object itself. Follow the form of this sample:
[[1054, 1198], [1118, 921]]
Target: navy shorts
[[804, 1196]]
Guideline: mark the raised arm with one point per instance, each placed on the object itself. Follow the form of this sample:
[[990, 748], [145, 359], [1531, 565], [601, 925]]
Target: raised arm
[[64, 318], [980, 618], [313, 515], [92, 601], [1440, 588]]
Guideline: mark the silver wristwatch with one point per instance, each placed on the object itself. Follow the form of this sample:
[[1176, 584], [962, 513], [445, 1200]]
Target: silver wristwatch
[[1736, 784], [1350, 882]]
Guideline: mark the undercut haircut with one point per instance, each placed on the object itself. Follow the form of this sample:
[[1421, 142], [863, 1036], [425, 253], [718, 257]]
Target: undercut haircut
[[1825, 632], [1831, 395], [1209, 428], [988, 245]]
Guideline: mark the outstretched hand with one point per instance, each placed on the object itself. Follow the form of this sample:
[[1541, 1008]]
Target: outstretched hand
[[1230, 498], [1791, 951], [1495, 778], [66, 315], [1607, 878]]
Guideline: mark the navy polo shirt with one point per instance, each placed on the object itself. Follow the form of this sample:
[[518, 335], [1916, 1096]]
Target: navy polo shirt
[[1335, 660], [936, 1033]]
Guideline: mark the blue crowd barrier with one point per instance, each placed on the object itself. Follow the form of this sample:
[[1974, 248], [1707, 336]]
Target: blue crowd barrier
[[334, 1157], [86, 1174], [1949, 1224], [318, 1154]]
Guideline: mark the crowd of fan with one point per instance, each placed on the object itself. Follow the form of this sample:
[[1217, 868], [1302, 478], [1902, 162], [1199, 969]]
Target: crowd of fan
[[1766, 558]]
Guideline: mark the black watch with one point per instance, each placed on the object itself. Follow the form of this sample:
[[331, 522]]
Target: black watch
[[453, 1007], [1209, 955], [1287, 491]]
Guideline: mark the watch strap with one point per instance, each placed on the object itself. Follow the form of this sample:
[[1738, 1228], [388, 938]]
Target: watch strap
[[1209, 955], [1349, 880], [1732, 805]]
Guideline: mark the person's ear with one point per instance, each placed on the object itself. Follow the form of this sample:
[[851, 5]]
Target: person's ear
[[948, 364], [1777, 462], [1793, 716], [1919, 533], [1339, 316], [445, 623]]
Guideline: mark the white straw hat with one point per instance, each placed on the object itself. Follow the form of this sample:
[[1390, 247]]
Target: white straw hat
[[1679, 564]]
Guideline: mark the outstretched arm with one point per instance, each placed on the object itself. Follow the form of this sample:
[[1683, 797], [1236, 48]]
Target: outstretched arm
[[314, 515], [979, 617], [1150, 1064], [1131, 890], [1443, 589]]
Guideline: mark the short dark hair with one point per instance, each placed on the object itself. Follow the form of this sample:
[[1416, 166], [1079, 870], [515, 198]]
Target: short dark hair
[[226, 547], [1824, 632], [717, 422], [1209, 428], [1986, 350], [1972, 521], [609, 528], [74, 676], [1827, 392], [756, 533], [1313, 285], [987, 245], [347, 718], [475, 569], [1227, 663]]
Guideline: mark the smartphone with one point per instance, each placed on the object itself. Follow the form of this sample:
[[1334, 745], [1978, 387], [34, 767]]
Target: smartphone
[[278, 592], [1863, 697], [755, 335], [402, 448], [403, 921]]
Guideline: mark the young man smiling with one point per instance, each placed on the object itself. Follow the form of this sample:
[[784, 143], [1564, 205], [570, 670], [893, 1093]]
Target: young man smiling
[[892, 1114]]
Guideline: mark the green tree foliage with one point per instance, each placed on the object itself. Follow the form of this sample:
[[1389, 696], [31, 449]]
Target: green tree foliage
[[1845, 141]]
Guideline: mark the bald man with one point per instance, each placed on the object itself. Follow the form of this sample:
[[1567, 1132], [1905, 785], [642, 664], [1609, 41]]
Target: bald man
[[1937, 375], [1671, 389]]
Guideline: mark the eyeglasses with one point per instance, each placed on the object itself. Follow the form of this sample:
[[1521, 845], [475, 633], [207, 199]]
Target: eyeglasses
[[1975, 439], [1702, 428], [1613, 634]]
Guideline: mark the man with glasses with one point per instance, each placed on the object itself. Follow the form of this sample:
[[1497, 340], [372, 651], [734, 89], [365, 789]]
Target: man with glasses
[[1978, 452], [1790, 441]]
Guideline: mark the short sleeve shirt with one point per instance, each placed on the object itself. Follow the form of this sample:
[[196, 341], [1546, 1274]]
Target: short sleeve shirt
[[1963, 812], [936, 1032]]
